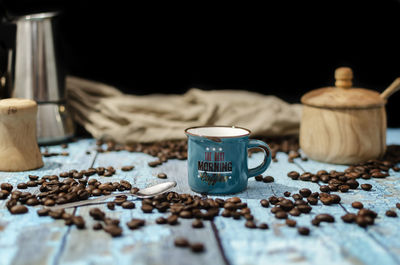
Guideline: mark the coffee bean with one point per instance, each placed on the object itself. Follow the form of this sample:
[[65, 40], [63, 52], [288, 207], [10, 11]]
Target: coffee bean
[[367, 212], [6, 186], [230, 206], [286, 194], [226, 213], [31, 183], [291, 222], [352, 183], [297, 197], [22, 186], [366, 186], [259, 178], [268, 179], [273, 200], [361, 221], [97, 214], [335, 198], [197, 224], [357, 205], [304, 231], [32, 202], [391, 213], [56, 214], [172, 219], [349, 218], [315, 222], [79, 222], [113, 230], [250, 224], [325, 218], [305, 192], [127, 168], [344, 188], [129, 205], [161, 175], [263, 226], [197, 247], [147, 208], [49, 202], [111, 205], [96, 192], [4, 194], [304, 208], [264, 203], [326, 200], [294, 212], [398, 205], [281, 215], [293, 175], [234, 200], [312, 200], [97, 226], [18, 209], [181, 242], [154, 163], [236, 215], [185, 214], [135, 223], [324, 188], [43, 212]]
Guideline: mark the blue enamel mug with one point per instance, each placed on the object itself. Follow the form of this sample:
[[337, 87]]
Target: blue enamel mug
[[218, 159]]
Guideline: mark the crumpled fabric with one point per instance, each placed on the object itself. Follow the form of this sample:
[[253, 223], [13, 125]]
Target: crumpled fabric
[[109, 114]]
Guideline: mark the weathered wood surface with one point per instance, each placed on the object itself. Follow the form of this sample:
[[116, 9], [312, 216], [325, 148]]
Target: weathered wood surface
[[28, 239]]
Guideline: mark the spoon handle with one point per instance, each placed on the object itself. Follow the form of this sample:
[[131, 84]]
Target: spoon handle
[[394, 87], [88, 202]]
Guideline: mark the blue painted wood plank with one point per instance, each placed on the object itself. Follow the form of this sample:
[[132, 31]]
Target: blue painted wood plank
[[20, 235], [152, 244]]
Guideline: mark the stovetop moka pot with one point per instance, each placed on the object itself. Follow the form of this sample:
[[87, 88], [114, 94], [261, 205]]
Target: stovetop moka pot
[[33, 72]]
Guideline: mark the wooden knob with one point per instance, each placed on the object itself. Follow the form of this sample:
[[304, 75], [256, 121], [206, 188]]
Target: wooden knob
[[19, 149], [344, 77]]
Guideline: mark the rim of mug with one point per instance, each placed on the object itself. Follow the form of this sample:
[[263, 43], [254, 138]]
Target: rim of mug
[[219, 126]]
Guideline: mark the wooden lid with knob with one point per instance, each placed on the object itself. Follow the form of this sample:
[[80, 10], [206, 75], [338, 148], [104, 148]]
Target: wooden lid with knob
[[343, 96]]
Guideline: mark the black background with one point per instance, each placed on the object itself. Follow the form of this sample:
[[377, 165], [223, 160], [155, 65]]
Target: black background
[[284, 49]]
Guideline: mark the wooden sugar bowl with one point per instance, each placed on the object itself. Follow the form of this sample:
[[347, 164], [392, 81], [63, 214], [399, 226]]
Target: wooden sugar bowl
[[19, 150], [344, 125]]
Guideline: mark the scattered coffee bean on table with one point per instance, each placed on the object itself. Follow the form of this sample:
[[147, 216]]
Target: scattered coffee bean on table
[[258, 178], [97, 226], [366, 186], [264, 203], [181, 242], [22, 186], [357, 205], [325, 218], [291, 222], [250, 224], [286, 194], [161, 220], [304, 231], [268, 179], [127, 168], [263, 226], [161, 175], [398, 205], [391, 213], [197, 247], [113, 230], [197, 224], [18, 209], [128, 205], [111, 205], [349, 218]]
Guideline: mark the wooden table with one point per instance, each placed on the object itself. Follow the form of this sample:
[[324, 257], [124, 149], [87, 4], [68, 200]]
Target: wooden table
[[29, 239]]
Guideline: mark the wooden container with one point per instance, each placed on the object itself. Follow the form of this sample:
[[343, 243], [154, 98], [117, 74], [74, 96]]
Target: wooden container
[[344, 125], [19, 150]]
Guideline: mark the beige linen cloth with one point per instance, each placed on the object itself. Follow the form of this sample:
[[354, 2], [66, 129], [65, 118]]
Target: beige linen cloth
[[109, 114]]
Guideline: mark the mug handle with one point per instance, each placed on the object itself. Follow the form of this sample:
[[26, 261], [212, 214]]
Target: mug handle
[[267, 157]]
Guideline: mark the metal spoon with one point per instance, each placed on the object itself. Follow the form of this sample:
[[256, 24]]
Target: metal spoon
[[143, 193]]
